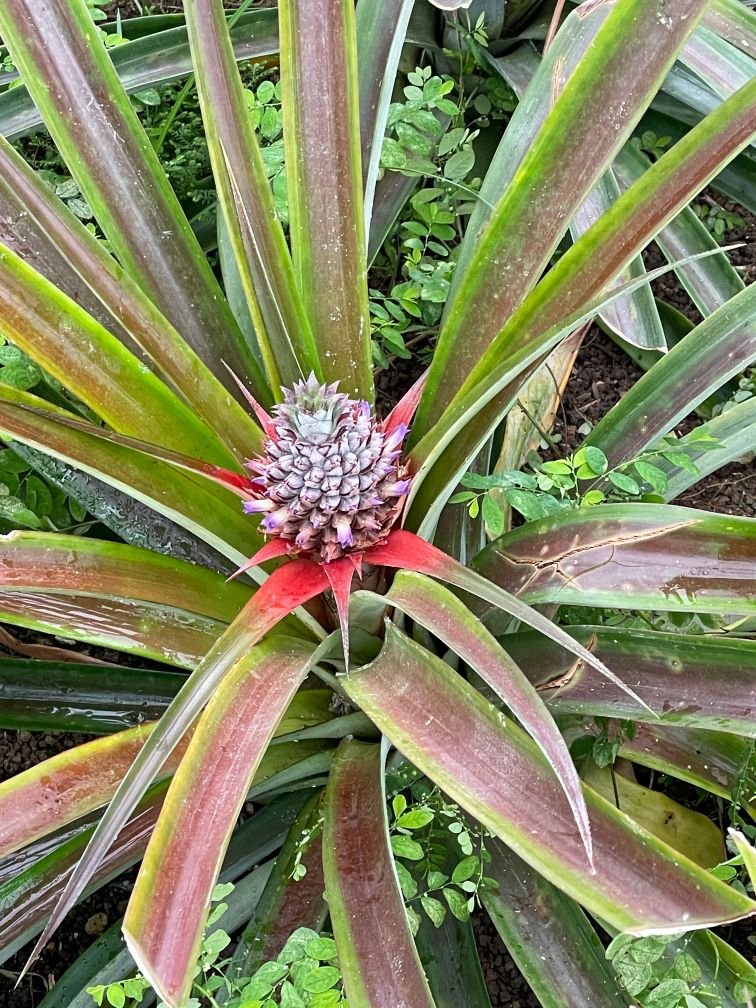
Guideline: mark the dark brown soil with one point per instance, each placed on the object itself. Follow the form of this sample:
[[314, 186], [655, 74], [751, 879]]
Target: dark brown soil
[[84, 924], [602, 375], [507, 987]]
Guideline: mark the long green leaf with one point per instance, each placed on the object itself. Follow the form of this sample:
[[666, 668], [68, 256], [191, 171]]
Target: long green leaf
[[705, 681], [122, 597], [146, 629], [633, 219], [376, 952], [721, 346], [148, 61], [392, 193], [45, 561], [710, 282], [716, 761], [307, 773], [450, 958], [688, 90], [721, 66], [593, 116], [736, 180], [115, 596], [449, 448], [114, 299], [66, 787], [282, 329], [733, 21], [381, 27], [585, 268], [289, 901], [26, 900], [548, 936], [538, 82], [107, 151], [77, 351], [98, 701], [489, 766], [131, 520], [640, 556], [209, 512], [212, 782], [633, 319], [32, 242], [322, 142], [734, 430]]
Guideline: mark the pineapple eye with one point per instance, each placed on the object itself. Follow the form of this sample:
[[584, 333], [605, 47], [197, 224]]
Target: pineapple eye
[[332, 480]]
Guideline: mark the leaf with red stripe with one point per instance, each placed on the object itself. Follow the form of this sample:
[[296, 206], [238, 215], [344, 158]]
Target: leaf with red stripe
[[702, 680], [319, 77], [27, 898], [440, 612], [405, 549], [376, 952], [68, 786], [210, 787]]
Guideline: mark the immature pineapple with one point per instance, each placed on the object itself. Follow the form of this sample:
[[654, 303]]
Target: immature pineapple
[[330, 480]]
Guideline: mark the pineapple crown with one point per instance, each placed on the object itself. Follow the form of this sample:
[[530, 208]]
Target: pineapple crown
[[330, 480]]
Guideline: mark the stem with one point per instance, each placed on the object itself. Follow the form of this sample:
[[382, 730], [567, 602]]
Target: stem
[[330, 680], [546, 437]]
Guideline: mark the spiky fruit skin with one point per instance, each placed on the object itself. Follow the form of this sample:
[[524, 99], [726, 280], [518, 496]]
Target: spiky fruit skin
[[330, 481]]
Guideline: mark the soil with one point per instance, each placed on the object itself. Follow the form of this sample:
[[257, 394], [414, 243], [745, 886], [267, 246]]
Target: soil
[[602, 375]]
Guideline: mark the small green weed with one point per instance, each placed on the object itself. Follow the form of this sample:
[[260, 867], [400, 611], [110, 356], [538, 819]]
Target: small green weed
[[582, 479], [440, 857], [440, 861], [26, 500], [658, 972], [603, 747], [746, 390], [651, 144], [305, 974], [430, 135], [717, 219]]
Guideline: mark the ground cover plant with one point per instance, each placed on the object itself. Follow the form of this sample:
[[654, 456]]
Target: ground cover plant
[[222, 427]]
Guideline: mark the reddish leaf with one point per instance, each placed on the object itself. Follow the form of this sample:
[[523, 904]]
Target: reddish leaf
[[210, 787], [490, 767], [376, 952], [441, 613], [405, 549]]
